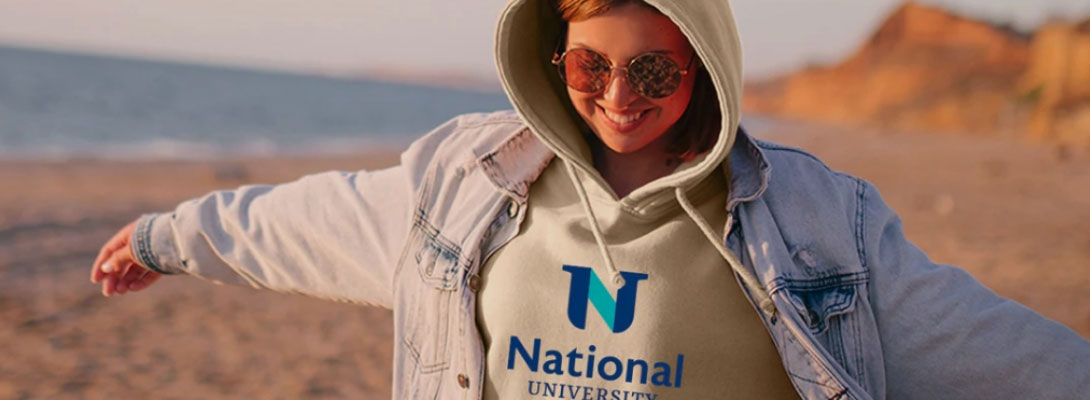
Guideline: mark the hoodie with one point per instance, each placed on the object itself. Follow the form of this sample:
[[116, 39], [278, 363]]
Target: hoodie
[[630, 297]]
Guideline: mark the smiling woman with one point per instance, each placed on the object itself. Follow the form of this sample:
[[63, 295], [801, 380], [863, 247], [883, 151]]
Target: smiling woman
[[623, 184], [609, 90]]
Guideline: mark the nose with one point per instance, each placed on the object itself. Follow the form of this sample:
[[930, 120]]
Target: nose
[[617, 92]]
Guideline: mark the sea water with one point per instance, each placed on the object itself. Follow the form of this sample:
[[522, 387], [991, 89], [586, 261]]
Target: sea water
[[57, 105]]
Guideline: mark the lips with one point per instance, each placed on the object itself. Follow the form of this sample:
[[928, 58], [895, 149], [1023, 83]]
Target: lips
[[623, 121], [624, 118]]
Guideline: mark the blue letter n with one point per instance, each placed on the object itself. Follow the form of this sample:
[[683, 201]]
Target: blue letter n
[[587, 287]]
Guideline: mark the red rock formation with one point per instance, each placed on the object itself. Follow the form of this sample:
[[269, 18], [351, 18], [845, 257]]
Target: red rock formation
[[926, 69]]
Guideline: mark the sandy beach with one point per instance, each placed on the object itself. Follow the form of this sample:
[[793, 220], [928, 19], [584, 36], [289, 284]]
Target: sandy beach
[[1014, 214]]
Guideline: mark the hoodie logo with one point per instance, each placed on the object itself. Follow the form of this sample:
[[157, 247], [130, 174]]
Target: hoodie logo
[[586, 287]]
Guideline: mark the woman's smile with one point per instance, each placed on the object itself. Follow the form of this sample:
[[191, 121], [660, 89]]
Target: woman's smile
[[624, 121]]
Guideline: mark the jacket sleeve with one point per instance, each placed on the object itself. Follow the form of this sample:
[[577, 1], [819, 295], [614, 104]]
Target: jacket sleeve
[[334, 235], [944, 335]]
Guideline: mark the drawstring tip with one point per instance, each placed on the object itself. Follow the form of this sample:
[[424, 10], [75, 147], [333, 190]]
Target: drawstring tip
[[618, 279]]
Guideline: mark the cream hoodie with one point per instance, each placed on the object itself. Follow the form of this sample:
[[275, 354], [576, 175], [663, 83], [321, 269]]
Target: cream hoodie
[[600, 297], [525, 39]]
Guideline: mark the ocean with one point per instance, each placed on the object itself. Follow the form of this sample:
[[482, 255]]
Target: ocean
[[56, 105], [60, 105]]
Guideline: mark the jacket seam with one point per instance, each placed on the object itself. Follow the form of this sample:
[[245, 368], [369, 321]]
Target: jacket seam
[[859, 364], [774, 146], [860, 222], [419, 193], [477, 124], [860, 225], [828, 282], [489, 121]]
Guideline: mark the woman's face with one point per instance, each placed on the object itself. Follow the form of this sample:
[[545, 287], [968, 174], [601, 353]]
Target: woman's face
[[624, 120]]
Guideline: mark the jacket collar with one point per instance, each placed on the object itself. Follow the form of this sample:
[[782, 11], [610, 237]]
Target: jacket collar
[[749, 170], [518, 161]]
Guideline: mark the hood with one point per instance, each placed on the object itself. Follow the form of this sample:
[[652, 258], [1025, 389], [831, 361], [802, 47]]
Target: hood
[[526, 37]]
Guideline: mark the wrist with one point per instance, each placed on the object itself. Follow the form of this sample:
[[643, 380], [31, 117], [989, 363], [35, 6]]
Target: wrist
[[153, 244]]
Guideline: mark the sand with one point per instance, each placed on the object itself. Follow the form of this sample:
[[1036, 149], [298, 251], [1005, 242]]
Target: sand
[[1014, 214], [183, 338]]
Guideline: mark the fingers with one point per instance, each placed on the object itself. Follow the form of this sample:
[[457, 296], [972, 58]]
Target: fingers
[[109, 285], [145, 281], [126, 278], [117, 268], [96, 273], [114, 269], [118, 241]]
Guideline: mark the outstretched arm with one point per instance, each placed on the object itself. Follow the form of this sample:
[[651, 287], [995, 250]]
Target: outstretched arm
[[944, 335], [334, 235]]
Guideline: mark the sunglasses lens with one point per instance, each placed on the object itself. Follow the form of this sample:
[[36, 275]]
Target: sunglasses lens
[[651, 75], [654, 75], [584, 70]]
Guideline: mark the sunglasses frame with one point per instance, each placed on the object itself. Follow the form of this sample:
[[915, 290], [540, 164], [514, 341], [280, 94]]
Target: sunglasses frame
[[558, 59]]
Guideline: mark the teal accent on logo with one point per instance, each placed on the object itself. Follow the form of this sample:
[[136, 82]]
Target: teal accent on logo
[[586, 287], [602, 300]]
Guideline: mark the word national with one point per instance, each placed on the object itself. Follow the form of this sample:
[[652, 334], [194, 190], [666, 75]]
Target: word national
[[587, 365]]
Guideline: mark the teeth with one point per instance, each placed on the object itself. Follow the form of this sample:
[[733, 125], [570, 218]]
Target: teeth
[[623, 119]]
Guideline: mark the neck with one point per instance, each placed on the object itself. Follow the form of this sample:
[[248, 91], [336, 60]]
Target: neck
[[628, 171]]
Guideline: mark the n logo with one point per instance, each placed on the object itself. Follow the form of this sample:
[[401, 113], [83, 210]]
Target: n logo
[[587, 287]]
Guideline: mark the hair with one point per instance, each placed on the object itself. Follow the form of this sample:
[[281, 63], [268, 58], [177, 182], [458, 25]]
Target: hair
[[698, 128]]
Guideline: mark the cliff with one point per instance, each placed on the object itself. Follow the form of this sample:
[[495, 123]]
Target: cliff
[[927, 69], [1057, 81]]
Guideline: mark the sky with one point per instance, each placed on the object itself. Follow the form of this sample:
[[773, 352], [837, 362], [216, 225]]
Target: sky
[[356, 37]]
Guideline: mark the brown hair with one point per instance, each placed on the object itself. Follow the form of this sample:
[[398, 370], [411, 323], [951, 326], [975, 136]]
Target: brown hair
[[698, 128]]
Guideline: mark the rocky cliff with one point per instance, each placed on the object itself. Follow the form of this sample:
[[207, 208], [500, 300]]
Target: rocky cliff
[[1057, 81], [927, 69]]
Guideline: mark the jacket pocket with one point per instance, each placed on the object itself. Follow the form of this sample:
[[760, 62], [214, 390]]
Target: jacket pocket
[[438, 260], [820, 302], [438, 264], [830, 307]]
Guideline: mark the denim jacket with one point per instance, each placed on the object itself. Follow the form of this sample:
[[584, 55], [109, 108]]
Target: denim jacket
[[860, 313]]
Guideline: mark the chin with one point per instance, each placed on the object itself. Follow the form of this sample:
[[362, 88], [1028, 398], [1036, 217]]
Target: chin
[[621, 145], [628, 142]]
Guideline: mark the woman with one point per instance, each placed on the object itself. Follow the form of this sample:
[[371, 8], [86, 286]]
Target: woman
[[632, 243]]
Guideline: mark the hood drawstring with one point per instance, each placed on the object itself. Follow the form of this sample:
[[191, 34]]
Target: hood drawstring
[[594, 227], [763, 299]]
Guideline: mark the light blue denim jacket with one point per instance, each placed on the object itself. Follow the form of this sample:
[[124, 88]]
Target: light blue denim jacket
[[860, 313]]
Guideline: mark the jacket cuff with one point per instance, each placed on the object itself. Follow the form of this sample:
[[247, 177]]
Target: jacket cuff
[[153, 245]]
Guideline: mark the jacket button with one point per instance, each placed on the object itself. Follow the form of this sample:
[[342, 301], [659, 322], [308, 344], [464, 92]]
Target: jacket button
[[474, 282], [463, 381], [513, 209]]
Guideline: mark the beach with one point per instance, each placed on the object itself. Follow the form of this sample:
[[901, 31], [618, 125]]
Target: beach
[[1015, 214], [183, 338]]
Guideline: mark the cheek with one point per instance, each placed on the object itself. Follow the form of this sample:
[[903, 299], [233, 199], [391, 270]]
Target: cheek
[[583, 103], [674, 106]]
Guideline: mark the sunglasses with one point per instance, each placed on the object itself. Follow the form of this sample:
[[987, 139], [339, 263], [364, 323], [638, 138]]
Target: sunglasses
[[652, 75]]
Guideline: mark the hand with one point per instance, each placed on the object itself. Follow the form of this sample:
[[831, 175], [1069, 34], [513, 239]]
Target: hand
[[116, 267]]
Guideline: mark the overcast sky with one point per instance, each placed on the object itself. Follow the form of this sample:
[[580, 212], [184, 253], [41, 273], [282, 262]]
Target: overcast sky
[[354, 36]]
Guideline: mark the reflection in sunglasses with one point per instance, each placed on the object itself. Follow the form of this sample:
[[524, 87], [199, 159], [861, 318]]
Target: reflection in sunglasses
[[652, 75]]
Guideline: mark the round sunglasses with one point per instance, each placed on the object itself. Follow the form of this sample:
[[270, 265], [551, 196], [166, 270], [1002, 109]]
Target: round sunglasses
[[652, 75]]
